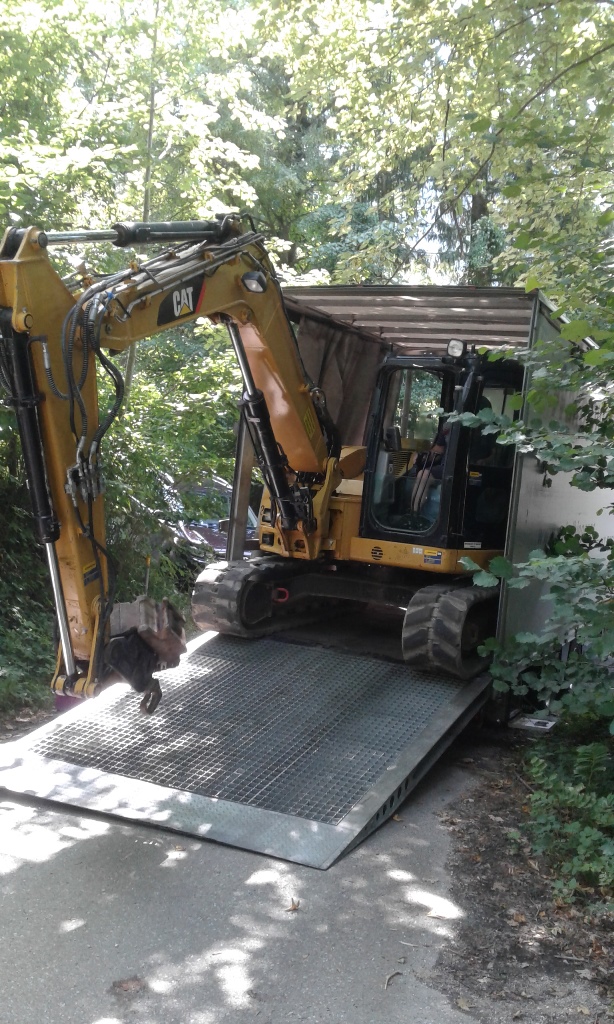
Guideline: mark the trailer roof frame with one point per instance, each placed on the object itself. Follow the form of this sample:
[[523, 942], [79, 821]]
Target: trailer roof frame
[[421, 319]]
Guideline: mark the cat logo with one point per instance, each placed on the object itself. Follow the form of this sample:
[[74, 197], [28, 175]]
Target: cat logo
[[182, 302], [185, 301]]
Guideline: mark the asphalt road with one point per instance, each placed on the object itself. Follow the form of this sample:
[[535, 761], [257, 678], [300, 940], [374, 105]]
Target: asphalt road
[[102, 923]]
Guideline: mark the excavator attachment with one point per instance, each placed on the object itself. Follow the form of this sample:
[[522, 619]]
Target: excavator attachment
[[146, 636]]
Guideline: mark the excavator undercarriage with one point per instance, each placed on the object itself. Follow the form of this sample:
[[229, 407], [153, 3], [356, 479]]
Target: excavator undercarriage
[[443, 628]]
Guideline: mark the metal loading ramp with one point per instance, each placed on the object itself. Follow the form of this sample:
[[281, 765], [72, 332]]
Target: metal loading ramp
[[289, 750]]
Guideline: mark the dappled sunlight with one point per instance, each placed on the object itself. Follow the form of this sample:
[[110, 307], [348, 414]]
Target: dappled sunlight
[[369, 900], [28, 836], [72, 925], [234, 964], [400, 876], [209, 934], [227, 965], [202, 638], [437, 906], [235, 982], [283, 882], [437, 909], [226, 927], [405, 900], [173, 858]]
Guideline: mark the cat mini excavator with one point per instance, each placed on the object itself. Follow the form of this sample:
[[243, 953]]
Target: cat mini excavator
[[387, 523]]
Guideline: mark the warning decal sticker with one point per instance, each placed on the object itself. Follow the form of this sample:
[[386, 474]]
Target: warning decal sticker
[[432, 556], [309, 422], [90, 573]]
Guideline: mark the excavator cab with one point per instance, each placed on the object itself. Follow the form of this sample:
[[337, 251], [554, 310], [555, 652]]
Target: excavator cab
[[428, 481]]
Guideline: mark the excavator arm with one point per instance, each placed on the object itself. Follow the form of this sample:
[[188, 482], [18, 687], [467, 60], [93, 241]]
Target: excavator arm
[[52, 340]]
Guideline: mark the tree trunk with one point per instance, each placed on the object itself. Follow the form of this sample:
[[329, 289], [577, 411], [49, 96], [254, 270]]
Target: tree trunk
[[481, 277], [131, 361]]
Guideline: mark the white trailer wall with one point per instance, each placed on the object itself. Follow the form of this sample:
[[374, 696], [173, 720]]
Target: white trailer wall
[[538, 511]]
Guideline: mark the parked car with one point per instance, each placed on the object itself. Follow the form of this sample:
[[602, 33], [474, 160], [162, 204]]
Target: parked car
[[205, 538]]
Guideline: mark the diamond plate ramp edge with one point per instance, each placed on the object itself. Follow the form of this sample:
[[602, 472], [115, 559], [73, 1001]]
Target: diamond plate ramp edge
[[290, 837]]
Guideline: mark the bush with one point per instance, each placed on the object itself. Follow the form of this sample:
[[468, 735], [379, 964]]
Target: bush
[[572, 810], [567, 666], [176, 431], [27, 649]]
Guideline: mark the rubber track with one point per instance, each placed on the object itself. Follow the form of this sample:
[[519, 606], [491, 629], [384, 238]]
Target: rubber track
[[220, 592], [433, 629], [417, 624]]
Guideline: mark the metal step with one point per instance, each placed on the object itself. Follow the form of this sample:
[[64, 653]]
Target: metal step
[[286, 749]]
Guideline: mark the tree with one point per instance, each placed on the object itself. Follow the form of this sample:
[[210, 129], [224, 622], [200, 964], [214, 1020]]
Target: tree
[[442, 116], [78, 91], [371, 140]]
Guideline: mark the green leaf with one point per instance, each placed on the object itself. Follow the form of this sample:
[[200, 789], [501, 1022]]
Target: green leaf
[[598, 356], [485, 579], [532, 283], [576, 330], [502, 567], [468, 563], [481, 124], [511, 191], [522, 240], [606, 218]]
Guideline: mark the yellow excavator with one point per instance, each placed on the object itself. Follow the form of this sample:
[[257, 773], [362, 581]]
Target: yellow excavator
[[386, 523]]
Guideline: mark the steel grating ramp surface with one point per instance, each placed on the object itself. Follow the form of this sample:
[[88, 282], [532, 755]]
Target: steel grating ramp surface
[[289, 750]]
